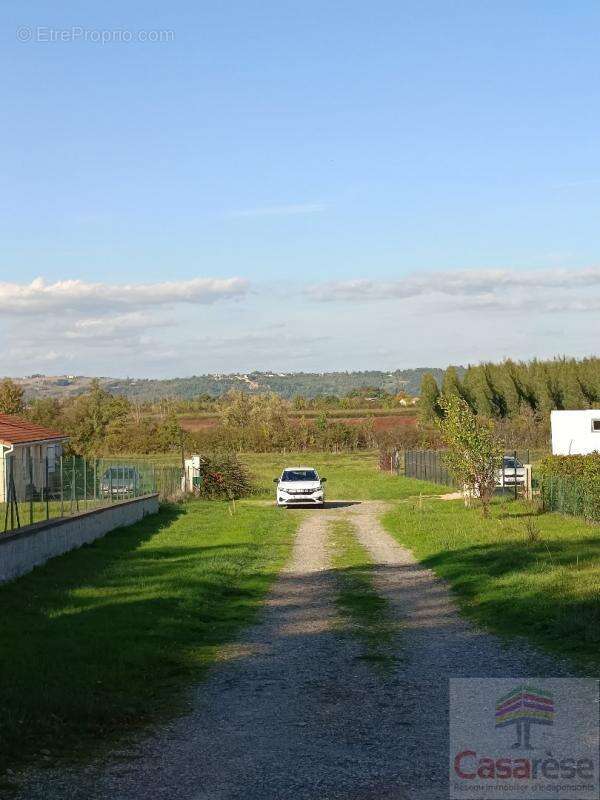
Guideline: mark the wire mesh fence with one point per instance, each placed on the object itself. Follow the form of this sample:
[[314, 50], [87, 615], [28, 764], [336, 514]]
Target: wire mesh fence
[[32, 490], [571, 496]]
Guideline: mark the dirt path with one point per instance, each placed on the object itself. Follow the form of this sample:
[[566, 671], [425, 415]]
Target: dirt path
[[293, 712]]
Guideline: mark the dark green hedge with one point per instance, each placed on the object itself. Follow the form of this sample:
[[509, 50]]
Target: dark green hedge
[[571, 485], [571, 466]]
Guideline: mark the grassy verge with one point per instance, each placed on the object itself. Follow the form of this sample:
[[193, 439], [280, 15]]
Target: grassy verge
[[517, 573], [365, 611], [350, 476], [107, 638]]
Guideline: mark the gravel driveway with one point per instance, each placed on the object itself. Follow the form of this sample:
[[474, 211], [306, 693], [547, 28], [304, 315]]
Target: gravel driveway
[[292, 711]]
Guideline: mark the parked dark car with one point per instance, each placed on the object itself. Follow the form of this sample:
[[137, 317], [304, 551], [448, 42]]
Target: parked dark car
[[120, 481]]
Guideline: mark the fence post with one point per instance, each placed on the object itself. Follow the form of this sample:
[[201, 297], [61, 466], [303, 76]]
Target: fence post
[[85, 484], [30, 460], [62, 488], [515, 473], [73, 490], [12, 494], [7, 479], [46, 490], [528, 482], [12, 504]]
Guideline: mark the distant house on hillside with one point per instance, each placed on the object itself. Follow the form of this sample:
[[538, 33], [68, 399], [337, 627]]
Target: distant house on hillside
[[28, 452]]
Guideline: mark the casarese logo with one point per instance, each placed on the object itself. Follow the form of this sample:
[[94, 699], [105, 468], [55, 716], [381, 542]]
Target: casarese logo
[[523, 707], [520, 708], [519, 742]]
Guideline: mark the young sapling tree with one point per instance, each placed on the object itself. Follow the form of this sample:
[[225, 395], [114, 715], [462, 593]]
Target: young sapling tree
[[473, 449]]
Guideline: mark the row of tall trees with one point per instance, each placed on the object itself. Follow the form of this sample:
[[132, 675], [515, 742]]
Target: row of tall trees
[[512, 388]]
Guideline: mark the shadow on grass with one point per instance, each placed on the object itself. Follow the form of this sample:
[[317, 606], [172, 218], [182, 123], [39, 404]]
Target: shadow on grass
[[328, 505], [107, 638], [496, 582], [336, 682]]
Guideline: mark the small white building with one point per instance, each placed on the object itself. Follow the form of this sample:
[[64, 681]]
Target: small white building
[[575, 432], [29, 455], [192, 474]]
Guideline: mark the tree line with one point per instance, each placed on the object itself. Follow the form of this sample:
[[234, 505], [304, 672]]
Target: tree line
[[518, 395], [100, 423], [261, 423], [97, 422], [504, 390]]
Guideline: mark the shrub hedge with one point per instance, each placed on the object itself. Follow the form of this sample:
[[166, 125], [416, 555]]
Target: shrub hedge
[[571, 485], [571, 466], [224, 477]]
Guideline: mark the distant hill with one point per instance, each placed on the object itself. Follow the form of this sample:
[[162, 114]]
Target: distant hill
[[287, 385]]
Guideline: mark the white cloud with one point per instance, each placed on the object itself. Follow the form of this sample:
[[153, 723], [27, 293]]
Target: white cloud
[[114, 326], [426, 318], [76, 295], [475, 288]]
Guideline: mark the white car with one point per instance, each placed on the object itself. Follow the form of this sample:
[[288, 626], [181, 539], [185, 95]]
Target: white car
[[512, 471], [300, 485]]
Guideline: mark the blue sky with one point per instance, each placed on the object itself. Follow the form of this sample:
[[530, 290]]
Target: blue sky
[[300, 148]]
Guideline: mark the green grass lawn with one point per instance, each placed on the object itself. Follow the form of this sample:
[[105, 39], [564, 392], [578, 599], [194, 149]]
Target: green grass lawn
[[108, 637], [350, 476], [363, 609], [517, 573]]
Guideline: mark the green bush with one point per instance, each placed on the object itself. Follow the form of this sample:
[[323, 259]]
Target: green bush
[[224, 477], [571, 466], [571, 485]]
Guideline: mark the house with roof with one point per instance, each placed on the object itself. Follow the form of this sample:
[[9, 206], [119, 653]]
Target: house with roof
[[29, 457]]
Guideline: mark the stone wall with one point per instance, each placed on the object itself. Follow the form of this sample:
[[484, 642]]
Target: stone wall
[[22, 550]]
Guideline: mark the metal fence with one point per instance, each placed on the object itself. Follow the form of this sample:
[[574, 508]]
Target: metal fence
[[32, 490], [429, 465]]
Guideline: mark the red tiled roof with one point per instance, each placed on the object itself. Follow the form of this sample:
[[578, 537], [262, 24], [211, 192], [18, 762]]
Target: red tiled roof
[[14, 430]]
